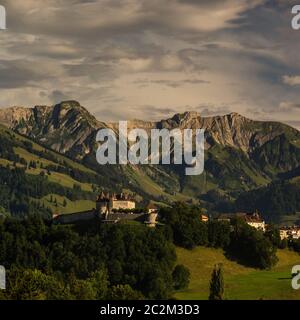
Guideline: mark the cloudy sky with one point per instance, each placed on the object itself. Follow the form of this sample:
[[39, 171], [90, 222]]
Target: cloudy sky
[[149, 59]]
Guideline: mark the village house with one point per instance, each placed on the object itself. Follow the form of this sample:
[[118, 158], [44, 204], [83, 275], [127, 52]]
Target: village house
[[252, 219], [204, 218], [292, 232]]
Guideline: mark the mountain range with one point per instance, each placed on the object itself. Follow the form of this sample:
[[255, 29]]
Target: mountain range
[[241, 154]]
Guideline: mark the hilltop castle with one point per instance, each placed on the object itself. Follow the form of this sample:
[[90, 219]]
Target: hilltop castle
[[112, 208], [108, 203]]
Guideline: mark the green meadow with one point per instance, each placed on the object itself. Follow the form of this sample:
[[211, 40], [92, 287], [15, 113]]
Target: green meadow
[[65, 206], [240, 282]]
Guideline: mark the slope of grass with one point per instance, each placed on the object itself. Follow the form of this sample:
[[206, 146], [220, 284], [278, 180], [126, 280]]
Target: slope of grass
[[240, 282], [32, 157], [67, 181], [62, 179], [138, 177], [70, 207], [5, 162]]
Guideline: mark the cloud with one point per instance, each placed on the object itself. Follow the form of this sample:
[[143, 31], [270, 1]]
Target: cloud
[[288, 106], [170, 83], [147, 59], [211, 110], [293, 123], [20, 73], [291, 80], [57, 96], [117, 17]]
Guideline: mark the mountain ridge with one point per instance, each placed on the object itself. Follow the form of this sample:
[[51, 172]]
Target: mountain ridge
[[70, 118], [241, 154]]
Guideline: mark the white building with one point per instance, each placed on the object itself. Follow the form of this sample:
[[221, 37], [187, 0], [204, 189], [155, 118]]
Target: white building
[[290, 232], [252, 219]]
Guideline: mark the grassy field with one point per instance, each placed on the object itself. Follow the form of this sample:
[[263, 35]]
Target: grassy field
[[32, 157], [240, 282], [62, 179], [71, 206]]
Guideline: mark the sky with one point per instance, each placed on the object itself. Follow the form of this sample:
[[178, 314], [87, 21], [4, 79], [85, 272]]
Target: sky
[[142, 59]]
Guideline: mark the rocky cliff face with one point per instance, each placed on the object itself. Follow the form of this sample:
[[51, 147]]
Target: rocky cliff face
[[64, 127], [230, 130]]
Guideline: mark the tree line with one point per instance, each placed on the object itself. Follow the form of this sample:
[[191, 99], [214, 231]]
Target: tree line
[[240, 241], [90, 261]]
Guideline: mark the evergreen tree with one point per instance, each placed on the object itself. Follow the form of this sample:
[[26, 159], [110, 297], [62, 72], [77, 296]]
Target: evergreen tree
[[217, 283]]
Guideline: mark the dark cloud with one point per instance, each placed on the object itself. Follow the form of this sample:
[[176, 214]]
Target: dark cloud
[[170, 83], [18, 74], [57, 96]]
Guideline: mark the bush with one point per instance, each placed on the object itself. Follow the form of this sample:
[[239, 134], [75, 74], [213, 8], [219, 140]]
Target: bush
[[181, 277]]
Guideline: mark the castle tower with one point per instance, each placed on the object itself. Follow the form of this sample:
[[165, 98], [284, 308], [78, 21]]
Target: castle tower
[[151, 220], [102, 204]]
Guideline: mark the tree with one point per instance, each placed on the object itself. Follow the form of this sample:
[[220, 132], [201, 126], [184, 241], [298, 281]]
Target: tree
[[85, 261], [184, 220], [124, 292], [83, 289], [251, 247], [283, 244], [42, 173], [217, 283], [219, 233], [181, 277], [100, 283], [295, 244], [34, 285], [273, 235]]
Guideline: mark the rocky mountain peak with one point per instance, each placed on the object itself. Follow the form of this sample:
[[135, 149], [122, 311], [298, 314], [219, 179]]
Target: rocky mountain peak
[[70, 104], [186, 116], [235, 117], [72, 108]]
